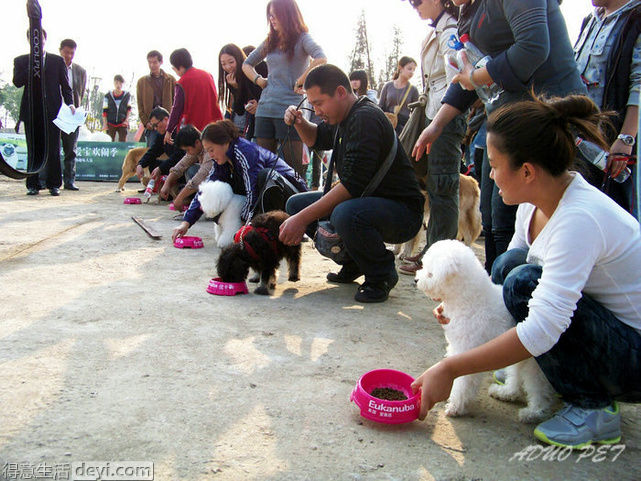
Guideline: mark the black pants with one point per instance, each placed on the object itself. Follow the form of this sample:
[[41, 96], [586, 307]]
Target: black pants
[[51, 175], [277, 190], [69, 143]]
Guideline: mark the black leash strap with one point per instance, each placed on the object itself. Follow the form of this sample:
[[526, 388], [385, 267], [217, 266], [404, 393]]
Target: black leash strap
[[37, 123], [280, 153]]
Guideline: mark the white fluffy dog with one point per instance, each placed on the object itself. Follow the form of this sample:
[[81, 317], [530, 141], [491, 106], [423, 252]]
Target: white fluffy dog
[[218, 198], [452, 273]]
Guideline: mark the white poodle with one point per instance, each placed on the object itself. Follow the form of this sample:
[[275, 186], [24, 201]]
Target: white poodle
[[452, 273], [218, 198]]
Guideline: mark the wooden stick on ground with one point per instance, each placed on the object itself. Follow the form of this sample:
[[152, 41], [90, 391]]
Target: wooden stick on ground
[[151, 232]]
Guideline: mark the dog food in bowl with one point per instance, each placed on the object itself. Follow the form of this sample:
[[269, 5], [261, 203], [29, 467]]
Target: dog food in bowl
[[397, 403], [219, 288], [188, 242], [132, 200]]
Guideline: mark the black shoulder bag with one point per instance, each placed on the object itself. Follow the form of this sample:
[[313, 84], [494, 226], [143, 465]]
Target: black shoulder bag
[[327, 242]]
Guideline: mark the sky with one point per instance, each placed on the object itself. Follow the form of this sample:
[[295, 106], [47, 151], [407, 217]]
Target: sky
[[114, 37]]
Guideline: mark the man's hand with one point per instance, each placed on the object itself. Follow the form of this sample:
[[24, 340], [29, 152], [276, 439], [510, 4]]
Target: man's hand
[[261, 82], [435, 385], [251, 106], [463, 77], [139, 171], [168, 139], [164, 192], [179, 202], [293, 115], [73, 109], [618, 163], [156, 173], [292, 231], [180, 231]]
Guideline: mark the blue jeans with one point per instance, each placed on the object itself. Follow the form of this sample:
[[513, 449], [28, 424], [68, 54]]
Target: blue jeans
[[596, 360], [497, 218], [365, 224]]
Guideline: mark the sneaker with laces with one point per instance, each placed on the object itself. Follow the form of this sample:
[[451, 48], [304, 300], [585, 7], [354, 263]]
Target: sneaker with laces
[[577, 428]]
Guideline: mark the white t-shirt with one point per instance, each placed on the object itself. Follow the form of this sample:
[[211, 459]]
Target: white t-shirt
[[590, 245]]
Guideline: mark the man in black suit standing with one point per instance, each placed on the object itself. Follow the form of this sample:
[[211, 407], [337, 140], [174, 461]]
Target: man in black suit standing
[[56, 89], [77, 81]]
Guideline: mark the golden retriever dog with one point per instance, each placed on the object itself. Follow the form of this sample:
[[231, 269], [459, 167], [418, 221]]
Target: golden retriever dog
[[469, 216], [129, 167]]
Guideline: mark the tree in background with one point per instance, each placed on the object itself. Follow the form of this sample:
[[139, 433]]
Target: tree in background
[[360, 58], [10, 97], [391, 57]]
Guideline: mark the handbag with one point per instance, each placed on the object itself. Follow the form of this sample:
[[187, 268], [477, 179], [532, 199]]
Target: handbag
[[327, 241], [393, 116], [415, 126], [411, 132]]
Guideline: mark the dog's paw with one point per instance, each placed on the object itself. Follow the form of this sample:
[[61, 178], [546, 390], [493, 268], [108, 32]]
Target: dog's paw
[[224, 241], [529, 415], [255, 278], [262, 290], [504, 393], [454, 409], [119, 189]]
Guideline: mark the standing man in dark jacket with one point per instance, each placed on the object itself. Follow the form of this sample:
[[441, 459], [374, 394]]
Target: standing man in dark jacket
[[57, 89], [608, 56], [77, 80], [360, 136]]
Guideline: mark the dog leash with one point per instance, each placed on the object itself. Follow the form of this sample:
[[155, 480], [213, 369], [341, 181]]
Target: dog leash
[[280, 155]]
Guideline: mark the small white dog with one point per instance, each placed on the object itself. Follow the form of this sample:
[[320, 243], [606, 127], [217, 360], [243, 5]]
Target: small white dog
[[474, 305], [218, 198]]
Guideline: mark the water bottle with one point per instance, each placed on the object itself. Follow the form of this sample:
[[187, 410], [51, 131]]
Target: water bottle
[[596, 155], [487, 93], [149, 190], [452, 64]]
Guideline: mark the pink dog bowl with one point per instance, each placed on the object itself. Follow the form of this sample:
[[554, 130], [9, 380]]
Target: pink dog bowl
[[188, 242], [173, 207], [219, 288], [382, 410], [132, 200]]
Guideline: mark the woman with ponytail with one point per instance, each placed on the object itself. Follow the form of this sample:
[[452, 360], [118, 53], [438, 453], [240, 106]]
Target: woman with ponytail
[[247, 167], [398, 93], [570, 276]]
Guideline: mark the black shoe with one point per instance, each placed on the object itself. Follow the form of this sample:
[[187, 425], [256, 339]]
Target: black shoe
[[370, 292], [55, 191], [71, 186], [348, 274], [32, 191]]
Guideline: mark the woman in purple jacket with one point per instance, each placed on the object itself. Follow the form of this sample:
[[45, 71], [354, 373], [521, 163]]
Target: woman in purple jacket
[[248, 168]]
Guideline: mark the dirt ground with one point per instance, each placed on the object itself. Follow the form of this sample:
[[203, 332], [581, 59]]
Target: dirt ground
[[110, 349]]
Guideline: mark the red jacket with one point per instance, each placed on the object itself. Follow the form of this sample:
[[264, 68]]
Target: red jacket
[[201, 101]]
